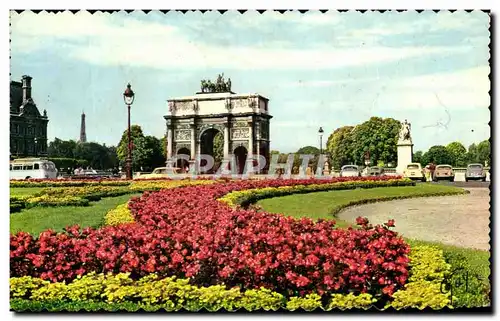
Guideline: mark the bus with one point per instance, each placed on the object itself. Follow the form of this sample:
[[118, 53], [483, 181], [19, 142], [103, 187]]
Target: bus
[[26, 168]]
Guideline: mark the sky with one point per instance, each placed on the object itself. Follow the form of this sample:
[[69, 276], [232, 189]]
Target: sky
[[318, 69]]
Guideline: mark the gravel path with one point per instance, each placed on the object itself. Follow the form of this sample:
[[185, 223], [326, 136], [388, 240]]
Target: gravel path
[[460, 220]]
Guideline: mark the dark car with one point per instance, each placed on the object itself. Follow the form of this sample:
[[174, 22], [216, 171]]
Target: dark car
[[475, 172]]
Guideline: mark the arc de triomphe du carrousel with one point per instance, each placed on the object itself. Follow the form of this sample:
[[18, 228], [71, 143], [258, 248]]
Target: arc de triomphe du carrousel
[[195, 121]]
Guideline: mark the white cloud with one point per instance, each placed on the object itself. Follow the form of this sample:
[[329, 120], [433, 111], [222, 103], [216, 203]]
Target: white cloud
[[147, 44], [422, 23], [465, 89]]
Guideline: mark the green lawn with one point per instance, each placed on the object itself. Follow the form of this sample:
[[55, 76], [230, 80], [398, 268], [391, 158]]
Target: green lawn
[[38, 219], [22, 191], [323, 204]]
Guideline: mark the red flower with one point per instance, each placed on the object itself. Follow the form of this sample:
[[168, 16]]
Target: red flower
[[186, 231]]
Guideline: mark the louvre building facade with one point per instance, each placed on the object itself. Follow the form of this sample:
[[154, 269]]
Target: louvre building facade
[[28, 127]]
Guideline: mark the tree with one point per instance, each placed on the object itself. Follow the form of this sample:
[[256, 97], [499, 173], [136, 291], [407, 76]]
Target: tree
[[339, 146], [61, 148], [122, 149], [417, 157], [307, 150], [147, 151], [472, 154], [458, 154], [163, 143], [438, 155], [113, 158], [379, 137], [484, 152], [97, 156], [218, 147]]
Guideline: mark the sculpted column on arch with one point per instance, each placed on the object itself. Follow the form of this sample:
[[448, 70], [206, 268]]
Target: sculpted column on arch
[[249, 160], [169, 143], [169, 140], [193, 140], [226, 140]]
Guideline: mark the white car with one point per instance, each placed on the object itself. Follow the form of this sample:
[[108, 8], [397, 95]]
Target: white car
[[350, 171], [160, 172], [414, 171]]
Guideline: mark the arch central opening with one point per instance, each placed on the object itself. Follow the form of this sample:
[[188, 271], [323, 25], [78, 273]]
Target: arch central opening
[[212, 143], [182, 163]]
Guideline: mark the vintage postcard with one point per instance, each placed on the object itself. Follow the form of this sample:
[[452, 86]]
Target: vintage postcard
[[250, 161]]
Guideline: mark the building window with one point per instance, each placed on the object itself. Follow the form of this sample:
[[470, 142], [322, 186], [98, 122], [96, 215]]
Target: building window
[[30, 130], [30, 148]]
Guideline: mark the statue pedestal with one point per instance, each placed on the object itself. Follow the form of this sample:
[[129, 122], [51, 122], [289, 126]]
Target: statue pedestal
[[405, 156], [170, 163]]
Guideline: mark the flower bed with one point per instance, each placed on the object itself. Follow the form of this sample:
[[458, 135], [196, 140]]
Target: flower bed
[[82, 195], [67, 182], [91, 193], [66, 196], [119, 215], [156, 185], [119, 291], [188, 233]]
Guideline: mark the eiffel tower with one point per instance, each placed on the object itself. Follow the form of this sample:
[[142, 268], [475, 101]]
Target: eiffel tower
[[83, 134]]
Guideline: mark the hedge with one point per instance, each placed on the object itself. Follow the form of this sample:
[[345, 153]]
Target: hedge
[[95, 292], [64, 163]]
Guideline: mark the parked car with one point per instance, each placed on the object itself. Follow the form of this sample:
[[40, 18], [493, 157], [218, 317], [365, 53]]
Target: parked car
[[414, 171], [349, 171], [444, 172], [375, 171], [160, 172], [475, 172]]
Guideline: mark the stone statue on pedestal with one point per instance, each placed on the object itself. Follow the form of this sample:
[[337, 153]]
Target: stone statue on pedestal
[[405, 131], [405, 147]]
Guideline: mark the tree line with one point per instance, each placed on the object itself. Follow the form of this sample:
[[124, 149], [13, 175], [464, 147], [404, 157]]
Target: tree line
[[148, 152], [376, 139], [455, 154]]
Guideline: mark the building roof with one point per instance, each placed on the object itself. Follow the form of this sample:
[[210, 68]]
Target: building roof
[[16, 96], [216, 96]]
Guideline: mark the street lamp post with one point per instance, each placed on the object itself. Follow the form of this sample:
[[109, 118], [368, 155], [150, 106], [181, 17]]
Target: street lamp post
[[128, 97], [35, 146], [320, 132]]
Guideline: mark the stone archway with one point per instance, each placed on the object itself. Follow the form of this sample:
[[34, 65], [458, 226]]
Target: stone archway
[[240, 155], [212, 143], [238, 120]]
